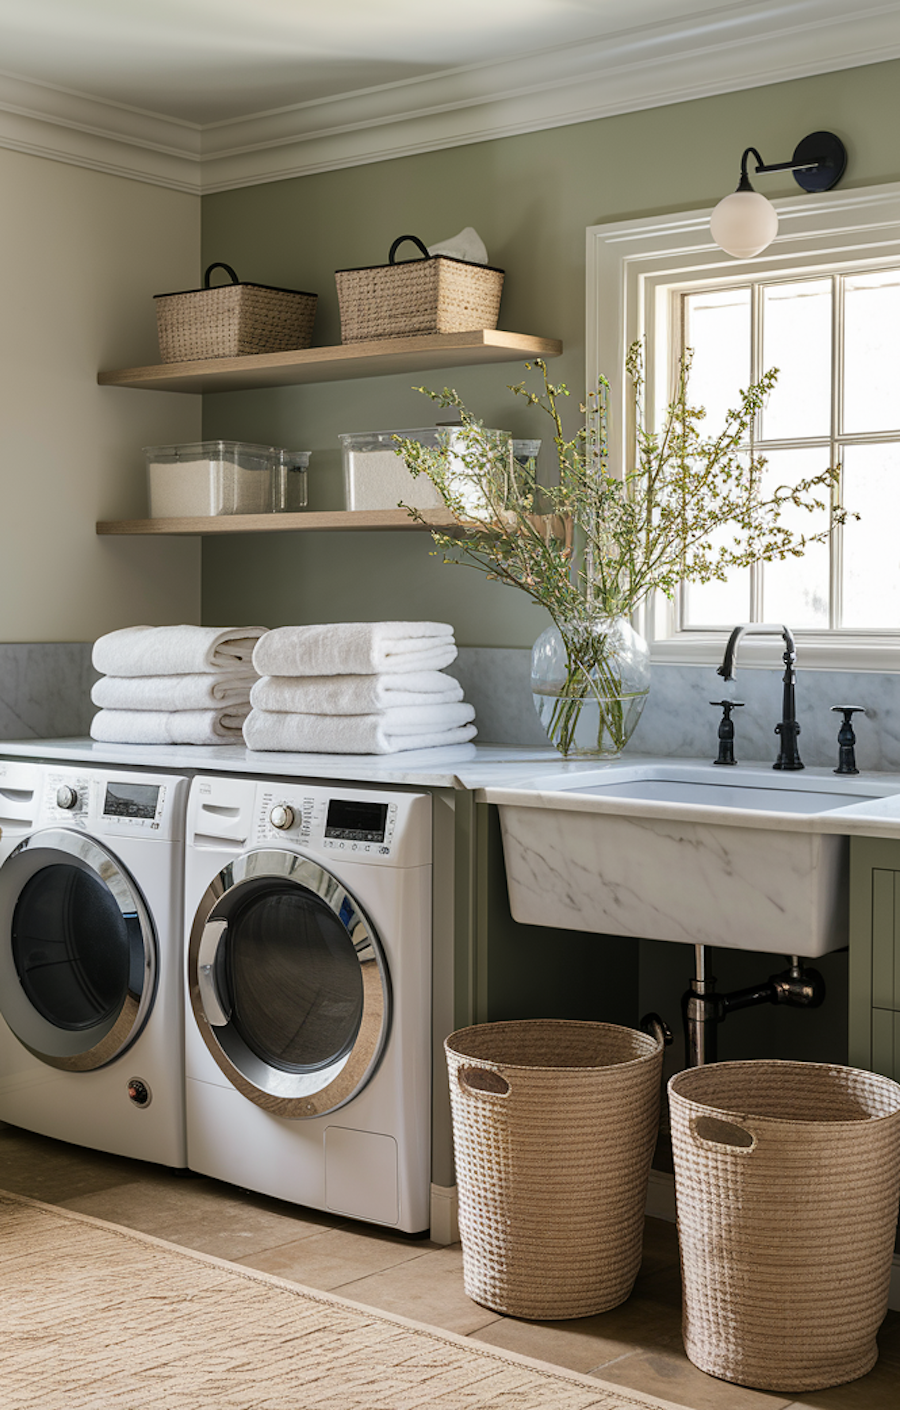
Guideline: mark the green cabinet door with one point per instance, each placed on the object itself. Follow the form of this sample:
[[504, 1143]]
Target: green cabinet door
[[875, 955]]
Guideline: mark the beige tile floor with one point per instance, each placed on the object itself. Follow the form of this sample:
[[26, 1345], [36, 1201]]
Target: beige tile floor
[[637, 1345]]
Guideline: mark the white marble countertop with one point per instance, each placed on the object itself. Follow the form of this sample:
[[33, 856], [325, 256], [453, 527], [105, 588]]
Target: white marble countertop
[[462, 766], [872, 807], [521, 777]]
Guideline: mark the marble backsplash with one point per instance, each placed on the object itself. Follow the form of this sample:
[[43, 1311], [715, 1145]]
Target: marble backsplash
[[45, 689], [45, 694], [678, 720]]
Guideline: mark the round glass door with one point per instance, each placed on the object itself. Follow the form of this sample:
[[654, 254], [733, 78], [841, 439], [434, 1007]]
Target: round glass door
[[288, 984], [77, 951]]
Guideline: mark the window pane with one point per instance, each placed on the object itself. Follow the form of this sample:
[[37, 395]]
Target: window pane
[[718, 604], [797, 340], [796, 590], [872, 351], [717, 328], [871, 543]]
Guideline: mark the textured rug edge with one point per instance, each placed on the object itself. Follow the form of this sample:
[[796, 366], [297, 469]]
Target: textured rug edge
[[483, 1350]]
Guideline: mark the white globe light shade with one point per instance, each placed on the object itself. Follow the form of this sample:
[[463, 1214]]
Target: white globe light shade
[[744, 224]]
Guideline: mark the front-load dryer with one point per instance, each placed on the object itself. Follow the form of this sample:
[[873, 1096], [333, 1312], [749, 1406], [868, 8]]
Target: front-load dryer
[[91, 957], [308, 1027]]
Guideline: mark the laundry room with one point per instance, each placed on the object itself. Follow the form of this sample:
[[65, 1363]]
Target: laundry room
[[296, 819]]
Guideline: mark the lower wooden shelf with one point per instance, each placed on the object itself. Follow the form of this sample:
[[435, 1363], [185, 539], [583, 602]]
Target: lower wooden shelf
[[343, 519]]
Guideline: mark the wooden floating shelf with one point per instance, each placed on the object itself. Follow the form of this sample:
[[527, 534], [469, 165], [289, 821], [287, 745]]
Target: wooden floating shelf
[[380, 358], [343, 519]]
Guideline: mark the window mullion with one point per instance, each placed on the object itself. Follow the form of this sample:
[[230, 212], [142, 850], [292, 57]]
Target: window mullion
[[756, 344], [836, 609]]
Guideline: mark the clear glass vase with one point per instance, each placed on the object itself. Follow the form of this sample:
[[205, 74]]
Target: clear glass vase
[[590, 678]]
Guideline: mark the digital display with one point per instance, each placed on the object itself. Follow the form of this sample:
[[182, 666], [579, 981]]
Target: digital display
[[353, 820], [131, 800]]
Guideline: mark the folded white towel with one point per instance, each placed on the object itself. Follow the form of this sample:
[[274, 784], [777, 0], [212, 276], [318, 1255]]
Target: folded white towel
[[353, 695], [206, 691], [169, 726], [174, 651], [343, 734], [355, 649]]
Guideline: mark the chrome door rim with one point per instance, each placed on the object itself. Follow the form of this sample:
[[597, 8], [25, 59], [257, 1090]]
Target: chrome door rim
[[53, 1045], [298, 1096]]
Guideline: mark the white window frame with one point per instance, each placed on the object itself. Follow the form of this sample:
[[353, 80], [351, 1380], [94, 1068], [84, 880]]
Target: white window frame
[[630, 266]]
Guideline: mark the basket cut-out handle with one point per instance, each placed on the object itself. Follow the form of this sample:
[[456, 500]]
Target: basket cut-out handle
[[219, 265], [713, 1131], [479, 1080], [400, 240]]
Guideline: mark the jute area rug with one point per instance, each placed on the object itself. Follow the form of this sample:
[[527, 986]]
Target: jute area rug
[[96, 1317]]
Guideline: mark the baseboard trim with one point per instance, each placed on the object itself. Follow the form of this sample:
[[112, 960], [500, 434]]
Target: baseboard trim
[[444, 1214]]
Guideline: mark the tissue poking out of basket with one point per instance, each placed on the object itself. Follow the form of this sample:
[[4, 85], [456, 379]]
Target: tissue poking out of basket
[[232, 320], [439, 293]]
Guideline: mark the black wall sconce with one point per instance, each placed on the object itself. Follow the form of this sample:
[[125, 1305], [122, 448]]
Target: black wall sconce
[[744, 223]]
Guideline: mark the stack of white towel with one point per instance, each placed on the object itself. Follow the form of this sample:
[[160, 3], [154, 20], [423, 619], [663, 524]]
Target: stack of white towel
[[357, 688], [174, 685]]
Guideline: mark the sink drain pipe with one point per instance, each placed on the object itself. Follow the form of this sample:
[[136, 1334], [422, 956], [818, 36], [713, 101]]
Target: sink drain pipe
[[703, 1009]]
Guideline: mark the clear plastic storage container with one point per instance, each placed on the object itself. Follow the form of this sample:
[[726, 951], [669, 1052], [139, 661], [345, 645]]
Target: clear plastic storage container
[[376, 477], [224, 477]]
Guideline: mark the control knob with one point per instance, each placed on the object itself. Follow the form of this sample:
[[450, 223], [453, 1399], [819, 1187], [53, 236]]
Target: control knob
[[66, 796], [282, 817]]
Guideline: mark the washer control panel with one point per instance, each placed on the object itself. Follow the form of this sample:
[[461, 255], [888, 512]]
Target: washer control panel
[[121, 804], [376, 826]]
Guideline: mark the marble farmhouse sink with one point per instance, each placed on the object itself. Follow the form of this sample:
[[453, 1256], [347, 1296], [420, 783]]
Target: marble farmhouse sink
[[743, 857]]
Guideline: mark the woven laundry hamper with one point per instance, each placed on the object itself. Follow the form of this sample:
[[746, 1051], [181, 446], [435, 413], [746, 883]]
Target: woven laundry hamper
[[554, 1125], [436, 294], [787, 1177], [232, 320]]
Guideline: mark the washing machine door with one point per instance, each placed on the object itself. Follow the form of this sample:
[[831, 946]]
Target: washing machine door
[[289, 984], [78, 952]]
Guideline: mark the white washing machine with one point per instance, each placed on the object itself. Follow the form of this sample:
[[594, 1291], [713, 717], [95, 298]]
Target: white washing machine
[[308, 1030], [91, 957]]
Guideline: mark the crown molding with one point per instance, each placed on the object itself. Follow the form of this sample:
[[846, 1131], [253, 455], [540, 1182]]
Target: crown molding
[[730, 48]]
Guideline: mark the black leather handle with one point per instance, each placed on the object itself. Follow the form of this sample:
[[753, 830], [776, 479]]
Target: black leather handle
[[218, 265], [399, 241]]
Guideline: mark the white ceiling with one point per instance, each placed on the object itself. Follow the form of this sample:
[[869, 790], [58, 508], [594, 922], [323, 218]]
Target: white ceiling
[[210, 61], [206, 94]]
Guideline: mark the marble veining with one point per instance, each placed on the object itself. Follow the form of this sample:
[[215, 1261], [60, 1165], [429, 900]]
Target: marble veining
[[674, 879], [45, 689], [678, 720]]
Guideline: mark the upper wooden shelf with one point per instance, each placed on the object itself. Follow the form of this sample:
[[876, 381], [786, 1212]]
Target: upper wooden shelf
[[379, 358], [282, 523]]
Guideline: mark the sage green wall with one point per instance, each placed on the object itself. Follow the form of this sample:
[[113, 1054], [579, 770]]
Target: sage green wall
[[531, 198]]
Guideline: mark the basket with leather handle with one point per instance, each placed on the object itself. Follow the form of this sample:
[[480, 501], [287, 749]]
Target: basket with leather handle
[[434, 294], [232, 320]]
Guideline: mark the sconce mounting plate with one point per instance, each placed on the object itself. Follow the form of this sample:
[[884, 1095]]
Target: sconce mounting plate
[[825, 158]]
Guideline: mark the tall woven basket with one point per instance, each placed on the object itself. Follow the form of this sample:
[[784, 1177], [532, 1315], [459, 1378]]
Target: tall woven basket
[[232, 320], [787, 1177], [436, 294], [554, 1125]]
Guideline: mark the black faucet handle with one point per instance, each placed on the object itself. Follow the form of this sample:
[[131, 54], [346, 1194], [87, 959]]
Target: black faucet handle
[[847, 738], [726, 730], [728, 706]]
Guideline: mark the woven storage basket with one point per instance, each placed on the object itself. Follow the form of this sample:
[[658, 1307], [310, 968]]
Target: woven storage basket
[[231, 320], [787, 1177], [554, 1125], [437, 294]]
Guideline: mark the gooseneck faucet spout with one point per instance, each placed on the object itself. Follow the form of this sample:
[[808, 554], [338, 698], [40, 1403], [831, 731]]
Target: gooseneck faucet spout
[[788, 729]]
